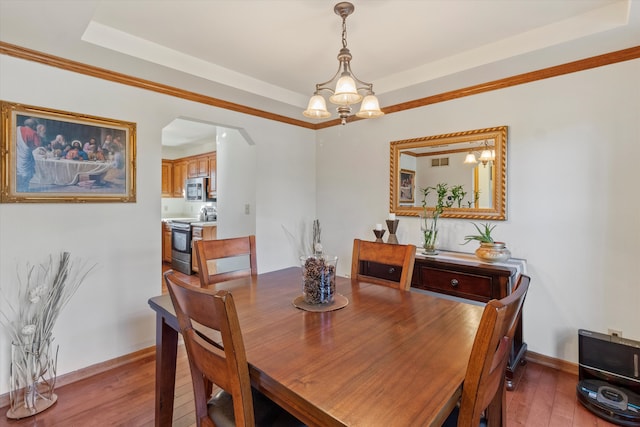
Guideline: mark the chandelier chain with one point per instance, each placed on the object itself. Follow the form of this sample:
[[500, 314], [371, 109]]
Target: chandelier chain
[[344, 31]]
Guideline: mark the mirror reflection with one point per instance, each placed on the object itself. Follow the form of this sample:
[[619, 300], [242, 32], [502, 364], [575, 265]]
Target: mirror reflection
[[472, 164]]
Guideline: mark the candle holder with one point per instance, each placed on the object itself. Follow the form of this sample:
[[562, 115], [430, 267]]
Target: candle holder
[[379, 234], [392, 225]]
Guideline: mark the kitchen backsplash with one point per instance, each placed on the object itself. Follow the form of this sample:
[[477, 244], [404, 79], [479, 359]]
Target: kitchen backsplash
[[179, 208]]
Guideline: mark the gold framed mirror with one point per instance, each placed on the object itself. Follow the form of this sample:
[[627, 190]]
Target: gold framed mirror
[[473, 162]]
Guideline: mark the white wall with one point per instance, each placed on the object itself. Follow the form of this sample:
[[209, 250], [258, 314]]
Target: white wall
[[236, 185], [109, 316], [573, 203]]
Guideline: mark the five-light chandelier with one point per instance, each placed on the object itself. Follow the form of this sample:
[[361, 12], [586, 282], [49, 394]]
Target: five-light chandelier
[[349, 89]]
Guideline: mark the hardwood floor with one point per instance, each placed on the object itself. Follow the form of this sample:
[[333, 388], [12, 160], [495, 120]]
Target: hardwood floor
[[124, 396]]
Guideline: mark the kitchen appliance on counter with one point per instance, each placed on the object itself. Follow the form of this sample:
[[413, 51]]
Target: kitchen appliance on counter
[[208, 213]]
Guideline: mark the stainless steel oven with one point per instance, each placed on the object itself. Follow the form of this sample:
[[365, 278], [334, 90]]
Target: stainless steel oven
[[181, 246]]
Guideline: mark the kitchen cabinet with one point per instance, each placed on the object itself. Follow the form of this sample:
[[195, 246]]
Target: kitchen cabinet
[[179, 176], [200, 232], [167, 178], [203, 166], [166, 242], [198, 167], [456, 274], [212, 162], [175, 172]]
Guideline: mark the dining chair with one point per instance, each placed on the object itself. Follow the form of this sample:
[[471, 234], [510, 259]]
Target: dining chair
[[378, 263], [483, 391], [223, 364], [225, 259]]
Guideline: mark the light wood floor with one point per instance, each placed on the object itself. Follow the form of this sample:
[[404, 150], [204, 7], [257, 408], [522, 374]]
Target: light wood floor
[[125, 397]]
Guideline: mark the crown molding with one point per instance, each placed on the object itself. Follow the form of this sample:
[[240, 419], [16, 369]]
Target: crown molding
[[101, 73]]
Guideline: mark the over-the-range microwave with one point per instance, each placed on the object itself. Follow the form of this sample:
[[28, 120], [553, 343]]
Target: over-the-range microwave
[[197, 190]]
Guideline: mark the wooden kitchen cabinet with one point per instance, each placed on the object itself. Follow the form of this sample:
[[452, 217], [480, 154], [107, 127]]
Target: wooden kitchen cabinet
[[212, 162], [198, 167], [175, 172], [179, 176], [167, 178], [475, 281], [198, 232], [203, 166], [166, 242]]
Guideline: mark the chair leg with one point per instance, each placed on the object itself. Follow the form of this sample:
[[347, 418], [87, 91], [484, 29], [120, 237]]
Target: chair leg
[[496, 412]]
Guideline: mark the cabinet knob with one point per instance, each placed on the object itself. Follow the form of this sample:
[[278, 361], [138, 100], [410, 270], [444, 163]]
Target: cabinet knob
[[454, 282], [392, 270]]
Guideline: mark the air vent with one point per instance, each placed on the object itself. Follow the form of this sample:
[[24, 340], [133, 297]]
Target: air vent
[[442, 161]]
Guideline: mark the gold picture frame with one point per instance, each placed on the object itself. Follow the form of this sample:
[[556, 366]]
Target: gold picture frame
[[407, 186], [52, 156]]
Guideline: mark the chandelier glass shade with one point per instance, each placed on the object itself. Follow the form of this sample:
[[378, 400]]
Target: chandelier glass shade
[[486, 156], [470, 159], [344, 88]]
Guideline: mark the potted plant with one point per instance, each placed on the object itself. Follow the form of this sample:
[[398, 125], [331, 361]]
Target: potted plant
[[489, 250], [446, 197]]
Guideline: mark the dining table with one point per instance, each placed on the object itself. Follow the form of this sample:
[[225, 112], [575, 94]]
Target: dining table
[[389, 357], [51, 171]]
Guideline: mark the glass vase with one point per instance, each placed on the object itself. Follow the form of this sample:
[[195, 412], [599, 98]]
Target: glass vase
[[32, 378], [429, 229], [319, 278]]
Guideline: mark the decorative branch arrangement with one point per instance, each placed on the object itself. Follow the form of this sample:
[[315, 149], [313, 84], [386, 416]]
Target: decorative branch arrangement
[[42, 292]]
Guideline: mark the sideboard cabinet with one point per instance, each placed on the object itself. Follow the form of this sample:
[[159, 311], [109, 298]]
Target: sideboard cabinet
[[459, 276]]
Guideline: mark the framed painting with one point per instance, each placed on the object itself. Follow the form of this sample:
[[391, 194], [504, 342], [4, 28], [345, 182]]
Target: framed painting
[[407, 185], [55, 156]]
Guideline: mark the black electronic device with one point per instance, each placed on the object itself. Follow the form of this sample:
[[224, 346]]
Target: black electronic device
[[609, 377]]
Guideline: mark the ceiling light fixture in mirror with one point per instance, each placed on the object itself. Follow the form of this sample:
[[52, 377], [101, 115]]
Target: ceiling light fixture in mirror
[[451, 159]]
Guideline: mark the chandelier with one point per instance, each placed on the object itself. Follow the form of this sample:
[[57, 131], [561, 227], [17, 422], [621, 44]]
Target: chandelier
[[349, 90], [487, 155]]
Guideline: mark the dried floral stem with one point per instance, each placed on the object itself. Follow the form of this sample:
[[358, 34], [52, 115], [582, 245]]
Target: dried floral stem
[[43, 291]]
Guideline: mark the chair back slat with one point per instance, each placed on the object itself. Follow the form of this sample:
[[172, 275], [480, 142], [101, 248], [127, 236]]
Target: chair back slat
[[211, 253], [395, 256]]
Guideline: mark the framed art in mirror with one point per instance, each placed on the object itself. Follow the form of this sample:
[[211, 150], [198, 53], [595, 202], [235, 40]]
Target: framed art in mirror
[[472, 164], [407, 186], [56, 156]]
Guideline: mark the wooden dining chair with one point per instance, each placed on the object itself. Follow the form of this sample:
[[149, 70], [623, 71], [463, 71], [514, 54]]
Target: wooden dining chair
[[224, 365], [483, 391], [383, 263], [225, 259]]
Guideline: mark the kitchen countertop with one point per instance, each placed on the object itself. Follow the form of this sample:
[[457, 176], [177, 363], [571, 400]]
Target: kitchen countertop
[[193, 221], [182, 218]]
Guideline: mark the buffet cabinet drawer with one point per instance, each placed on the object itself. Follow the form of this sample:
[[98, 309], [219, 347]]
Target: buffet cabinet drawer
[[465, 285], [381, 271]]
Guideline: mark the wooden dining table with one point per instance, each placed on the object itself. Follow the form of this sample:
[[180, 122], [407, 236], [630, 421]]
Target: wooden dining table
[[388, 358]]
